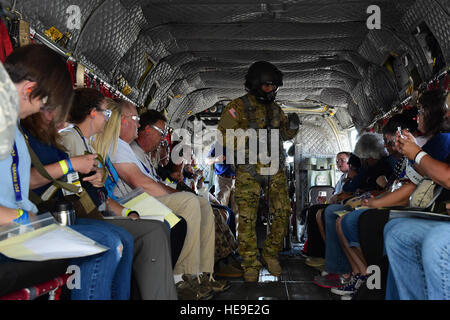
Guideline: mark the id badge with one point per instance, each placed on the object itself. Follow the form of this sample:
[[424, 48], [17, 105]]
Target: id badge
[[72, 178]]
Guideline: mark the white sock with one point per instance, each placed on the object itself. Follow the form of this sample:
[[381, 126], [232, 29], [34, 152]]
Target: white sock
[[177, 278]]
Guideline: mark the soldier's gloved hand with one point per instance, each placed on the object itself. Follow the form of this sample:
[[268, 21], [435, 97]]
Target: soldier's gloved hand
[[293, 121]]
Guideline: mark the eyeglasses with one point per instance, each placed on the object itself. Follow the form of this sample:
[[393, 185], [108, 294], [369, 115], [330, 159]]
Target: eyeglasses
[[134, 117], [341, 160], [163, 133], [107, 114], [44, 106]]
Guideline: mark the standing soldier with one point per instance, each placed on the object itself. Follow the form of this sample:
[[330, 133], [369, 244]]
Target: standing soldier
[[257, 110]]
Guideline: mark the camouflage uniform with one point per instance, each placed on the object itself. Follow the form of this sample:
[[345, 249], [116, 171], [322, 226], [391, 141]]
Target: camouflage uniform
[[237, 116], [225, 243]]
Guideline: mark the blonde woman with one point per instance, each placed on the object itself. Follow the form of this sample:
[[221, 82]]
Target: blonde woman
[[151, 259], [106, 142]]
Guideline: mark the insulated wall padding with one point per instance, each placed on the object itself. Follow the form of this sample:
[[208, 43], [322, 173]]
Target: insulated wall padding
[[316, 137], [162, 66], [134, 63], [214, 66], [334, 97], [162, 13], [349, 69], [331, 44], [382, 88], [445, 4], [437, 17], [107, 36], [45, 14], [372, 53], [358, 62], [337, 12], [259, 31], [355, 113], [360, 99], [343, 118], [249, 56]]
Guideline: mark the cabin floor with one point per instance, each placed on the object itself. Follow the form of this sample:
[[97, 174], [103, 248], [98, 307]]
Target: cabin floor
[[295, 283]]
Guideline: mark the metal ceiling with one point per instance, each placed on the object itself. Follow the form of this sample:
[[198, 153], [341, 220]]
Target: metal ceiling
[[201, 49]]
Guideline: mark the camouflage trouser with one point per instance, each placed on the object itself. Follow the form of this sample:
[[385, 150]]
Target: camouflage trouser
[[247, 199], [225, 243]]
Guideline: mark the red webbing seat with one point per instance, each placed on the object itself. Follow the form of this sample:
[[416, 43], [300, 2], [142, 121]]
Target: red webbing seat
[[53, 287]]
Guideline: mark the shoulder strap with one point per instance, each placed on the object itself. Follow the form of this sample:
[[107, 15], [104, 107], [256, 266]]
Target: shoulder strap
[[250, 112], [40, 168]]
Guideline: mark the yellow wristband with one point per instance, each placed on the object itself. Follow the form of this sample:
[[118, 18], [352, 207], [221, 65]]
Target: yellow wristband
[[19, 213], [126, 212], [64, 166]]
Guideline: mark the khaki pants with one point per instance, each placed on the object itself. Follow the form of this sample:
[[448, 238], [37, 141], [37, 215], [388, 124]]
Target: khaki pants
[[225, 194], [197, 254]]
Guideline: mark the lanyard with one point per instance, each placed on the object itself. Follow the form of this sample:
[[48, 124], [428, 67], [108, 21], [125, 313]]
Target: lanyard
[[108, 169], [153, 173], [82, 138], [15, 174], [145, 167]]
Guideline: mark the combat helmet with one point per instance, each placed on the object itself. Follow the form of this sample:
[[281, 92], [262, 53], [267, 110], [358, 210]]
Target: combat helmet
[[259, 73]]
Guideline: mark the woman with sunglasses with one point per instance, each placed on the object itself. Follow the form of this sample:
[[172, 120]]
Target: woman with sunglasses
[[152, 263]]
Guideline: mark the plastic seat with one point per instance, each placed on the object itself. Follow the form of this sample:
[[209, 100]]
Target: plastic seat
[[315, 191]]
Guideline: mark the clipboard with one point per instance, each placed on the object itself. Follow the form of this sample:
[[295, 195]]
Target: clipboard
[[43, 239], [148, 206]]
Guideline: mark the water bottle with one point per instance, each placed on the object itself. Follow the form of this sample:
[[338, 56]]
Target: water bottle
[[64, 213]]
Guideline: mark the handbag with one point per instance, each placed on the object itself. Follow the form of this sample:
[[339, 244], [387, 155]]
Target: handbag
[[425, 195]]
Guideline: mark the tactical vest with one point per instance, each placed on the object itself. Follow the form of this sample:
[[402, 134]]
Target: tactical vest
[[272, 121]]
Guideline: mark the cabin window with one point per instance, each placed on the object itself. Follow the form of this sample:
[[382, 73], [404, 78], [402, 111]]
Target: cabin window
[[430, 47]]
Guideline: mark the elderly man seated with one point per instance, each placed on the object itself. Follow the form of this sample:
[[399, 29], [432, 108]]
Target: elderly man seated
[[194, 268]]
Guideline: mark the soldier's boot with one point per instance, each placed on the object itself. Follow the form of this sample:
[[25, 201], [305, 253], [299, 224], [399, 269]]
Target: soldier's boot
[[272, 265], [251, 274]]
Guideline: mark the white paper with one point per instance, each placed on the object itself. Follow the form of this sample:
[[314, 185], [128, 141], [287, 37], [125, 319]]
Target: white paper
[[62, 243], [51, 242]]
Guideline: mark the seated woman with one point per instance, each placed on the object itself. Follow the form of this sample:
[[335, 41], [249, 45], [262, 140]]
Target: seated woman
[[417, 248], [41, 79], [351, 221], [370, 149], [105, 142], [152, 270], [438, 145], [42, 136]]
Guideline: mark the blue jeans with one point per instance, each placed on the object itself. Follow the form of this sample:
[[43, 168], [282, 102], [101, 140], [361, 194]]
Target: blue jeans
[[419, 259], [109, 273], [335, 259], [350, 227]]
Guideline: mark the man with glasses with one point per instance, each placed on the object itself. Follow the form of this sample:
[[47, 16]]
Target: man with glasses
[[195, 265], [342, 166]]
